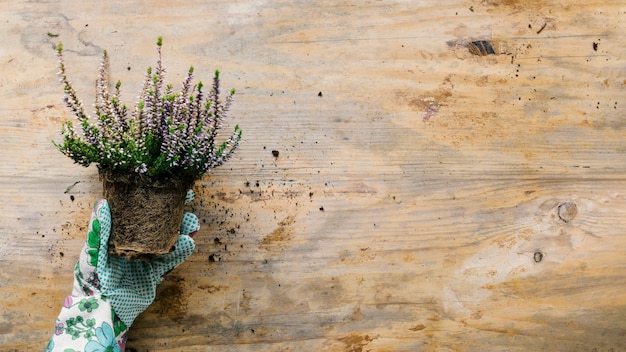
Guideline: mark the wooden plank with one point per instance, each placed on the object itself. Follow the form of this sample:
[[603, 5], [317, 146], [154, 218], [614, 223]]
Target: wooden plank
[[422, 199]]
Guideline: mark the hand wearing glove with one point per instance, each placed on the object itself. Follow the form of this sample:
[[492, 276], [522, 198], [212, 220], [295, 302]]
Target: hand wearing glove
[[110, 292]]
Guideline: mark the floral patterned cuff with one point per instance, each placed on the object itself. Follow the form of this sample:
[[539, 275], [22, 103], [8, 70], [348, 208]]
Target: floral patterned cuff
[[87, 323]]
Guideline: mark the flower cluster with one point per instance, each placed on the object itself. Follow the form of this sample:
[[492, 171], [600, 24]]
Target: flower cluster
[[168, 134]]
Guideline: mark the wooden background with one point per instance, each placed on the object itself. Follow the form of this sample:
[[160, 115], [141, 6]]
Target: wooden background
[[424, 198]]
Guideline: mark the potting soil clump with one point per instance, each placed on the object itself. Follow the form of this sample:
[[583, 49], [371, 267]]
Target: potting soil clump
[[146, 213]]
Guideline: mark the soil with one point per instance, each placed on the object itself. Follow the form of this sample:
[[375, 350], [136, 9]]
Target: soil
[[146, 214]]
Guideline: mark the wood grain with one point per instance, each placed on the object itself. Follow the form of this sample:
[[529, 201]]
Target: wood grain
[[421, 200]]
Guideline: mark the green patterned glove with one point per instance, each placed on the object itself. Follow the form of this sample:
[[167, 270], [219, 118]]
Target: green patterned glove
[[110, 292]]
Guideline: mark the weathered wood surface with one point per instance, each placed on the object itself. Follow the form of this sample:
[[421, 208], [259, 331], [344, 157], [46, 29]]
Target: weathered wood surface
[[414, 204]]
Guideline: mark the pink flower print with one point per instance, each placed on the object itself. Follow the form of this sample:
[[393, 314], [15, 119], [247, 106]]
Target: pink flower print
[[58, 329], [68, 302]]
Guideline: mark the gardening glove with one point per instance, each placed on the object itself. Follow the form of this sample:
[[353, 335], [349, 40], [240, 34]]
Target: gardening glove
[[110, 292]]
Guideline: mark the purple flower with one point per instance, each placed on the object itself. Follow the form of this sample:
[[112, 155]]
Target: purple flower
[[58, 328], [169, 133]]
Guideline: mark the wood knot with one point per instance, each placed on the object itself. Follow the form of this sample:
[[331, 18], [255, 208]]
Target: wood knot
[[567, 211]]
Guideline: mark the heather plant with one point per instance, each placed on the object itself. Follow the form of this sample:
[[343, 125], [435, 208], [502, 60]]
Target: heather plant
[[167, 134]]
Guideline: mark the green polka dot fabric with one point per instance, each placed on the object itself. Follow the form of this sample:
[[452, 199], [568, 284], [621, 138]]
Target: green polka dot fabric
[[190, 196]]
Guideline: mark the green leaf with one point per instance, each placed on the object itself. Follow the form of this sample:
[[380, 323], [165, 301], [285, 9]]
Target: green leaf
[[93, 257], [93, 237]]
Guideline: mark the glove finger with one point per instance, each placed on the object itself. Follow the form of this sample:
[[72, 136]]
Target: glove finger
[[190, 196], [92, 243], [190, 224], [105, 270], [165, 263], [86, 279]]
